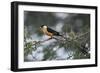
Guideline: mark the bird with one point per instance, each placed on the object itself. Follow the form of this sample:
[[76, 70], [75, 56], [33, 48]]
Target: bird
[[49, 31]]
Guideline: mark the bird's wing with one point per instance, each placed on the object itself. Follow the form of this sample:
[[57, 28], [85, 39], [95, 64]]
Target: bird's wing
[[52, 31]]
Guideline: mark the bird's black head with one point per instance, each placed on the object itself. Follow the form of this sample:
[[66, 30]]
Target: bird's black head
[[42, 26]]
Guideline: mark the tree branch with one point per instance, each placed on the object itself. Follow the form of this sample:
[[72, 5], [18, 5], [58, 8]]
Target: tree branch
[[35, 43]]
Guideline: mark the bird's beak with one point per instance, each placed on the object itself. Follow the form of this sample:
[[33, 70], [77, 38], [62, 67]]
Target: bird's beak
[[40, 29]]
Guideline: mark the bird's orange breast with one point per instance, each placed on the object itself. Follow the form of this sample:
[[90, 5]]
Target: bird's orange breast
[[47, 33]]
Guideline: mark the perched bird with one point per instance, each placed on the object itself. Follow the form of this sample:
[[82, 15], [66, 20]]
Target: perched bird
[[48, 31]]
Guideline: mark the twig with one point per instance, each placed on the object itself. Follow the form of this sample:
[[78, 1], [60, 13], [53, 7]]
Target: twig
[[35, 42], [33, 57], [69, 57], [81, 35]]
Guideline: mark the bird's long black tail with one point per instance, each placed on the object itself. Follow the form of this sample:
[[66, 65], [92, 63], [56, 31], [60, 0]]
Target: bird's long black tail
[[58, 34]]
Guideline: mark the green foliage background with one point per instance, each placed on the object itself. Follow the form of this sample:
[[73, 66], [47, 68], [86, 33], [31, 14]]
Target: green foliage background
[[74, 27]]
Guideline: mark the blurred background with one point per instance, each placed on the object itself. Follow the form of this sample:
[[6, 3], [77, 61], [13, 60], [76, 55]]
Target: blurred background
[[75, 27]]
